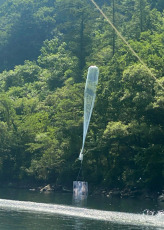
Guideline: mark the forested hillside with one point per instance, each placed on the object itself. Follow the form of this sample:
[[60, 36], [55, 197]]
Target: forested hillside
[[46, 48]]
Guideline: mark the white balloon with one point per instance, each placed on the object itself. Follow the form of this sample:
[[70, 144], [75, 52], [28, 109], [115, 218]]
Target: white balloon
[[89, 100]]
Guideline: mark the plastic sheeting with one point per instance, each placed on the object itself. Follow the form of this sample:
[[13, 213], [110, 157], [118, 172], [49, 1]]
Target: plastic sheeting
[[80, 189], [89, 100]]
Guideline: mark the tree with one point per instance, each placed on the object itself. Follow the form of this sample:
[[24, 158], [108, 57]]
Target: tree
[[26, 26], [74, 22], [60, 62]]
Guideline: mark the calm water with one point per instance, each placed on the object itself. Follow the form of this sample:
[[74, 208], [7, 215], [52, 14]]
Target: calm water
[[15, 218]]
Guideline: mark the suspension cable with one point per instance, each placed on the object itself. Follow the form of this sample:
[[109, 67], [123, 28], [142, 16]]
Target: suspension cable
[[128, 45]]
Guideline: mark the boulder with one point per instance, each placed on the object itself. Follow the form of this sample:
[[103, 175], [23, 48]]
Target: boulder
[[47, 188], [114, 193], [161, 198]]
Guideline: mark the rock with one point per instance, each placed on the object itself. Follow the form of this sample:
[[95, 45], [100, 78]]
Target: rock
[[103, 192], [66, 190], [125, 195], [161, 198], [47, 188], [115, 193], [32, 189]]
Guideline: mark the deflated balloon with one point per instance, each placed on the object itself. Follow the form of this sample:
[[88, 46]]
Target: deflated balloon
[[89, 100]]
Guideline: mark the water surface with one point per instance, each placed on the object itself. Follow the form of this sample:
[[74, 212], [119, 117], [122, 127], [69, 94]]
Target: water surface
[[15, 218]]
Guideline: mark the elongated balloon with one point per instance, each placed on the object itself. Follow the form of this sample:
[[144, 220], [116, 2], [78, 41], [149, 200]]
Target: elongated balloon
[[89, 100]]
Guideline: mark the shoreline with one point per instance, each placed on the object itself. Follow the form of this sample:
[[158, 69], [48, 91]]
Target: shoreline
[[93, 191]]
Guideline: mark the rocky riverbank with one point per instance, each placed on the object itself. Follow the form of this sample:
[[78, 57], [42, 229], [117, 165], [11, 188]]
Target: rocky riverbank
[[125, 193], [130, 193], [93, 191]]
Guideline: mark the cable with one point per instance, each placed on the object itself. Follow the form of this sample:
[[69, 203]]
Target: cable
[[129, 46], [80, 170]]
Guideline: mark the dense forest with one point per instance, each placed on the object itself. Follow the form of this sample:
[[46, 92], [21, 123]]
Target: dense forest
[[46, 48]]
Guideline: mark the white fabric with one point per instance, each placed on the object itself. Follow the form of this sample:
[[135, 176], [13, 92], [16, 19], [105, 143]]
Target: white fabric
[[89, 99]]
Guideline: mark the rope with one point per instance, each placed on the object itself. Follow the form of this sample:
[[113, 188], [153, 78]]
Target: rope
[[129, 46], [80, 171]]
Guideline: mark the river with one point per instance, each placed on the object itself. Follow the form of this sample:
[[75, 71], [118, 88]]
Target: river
[[32, 210]]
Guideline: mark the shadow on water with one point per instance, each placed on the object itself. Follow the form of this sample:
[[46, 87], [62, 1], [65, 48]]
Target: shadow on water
[[79, 201]]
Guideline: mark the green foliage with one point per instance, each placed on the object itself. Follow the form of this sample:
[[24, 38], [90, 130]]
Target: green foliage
[[20, 75], [25, 25], [60, 63]]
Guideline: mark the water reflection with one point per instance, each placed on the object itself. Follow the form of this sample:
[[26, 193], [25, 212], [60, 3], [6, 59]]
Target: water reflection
[[79, 201]]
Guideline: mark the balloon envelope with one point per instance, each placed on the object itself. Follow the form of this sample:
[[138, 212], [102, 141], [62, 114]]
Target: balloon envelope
[[89, 100]]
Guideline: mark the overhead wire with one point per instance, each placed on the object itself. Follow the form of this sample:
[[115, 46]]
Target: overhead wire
[[128, 45]]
